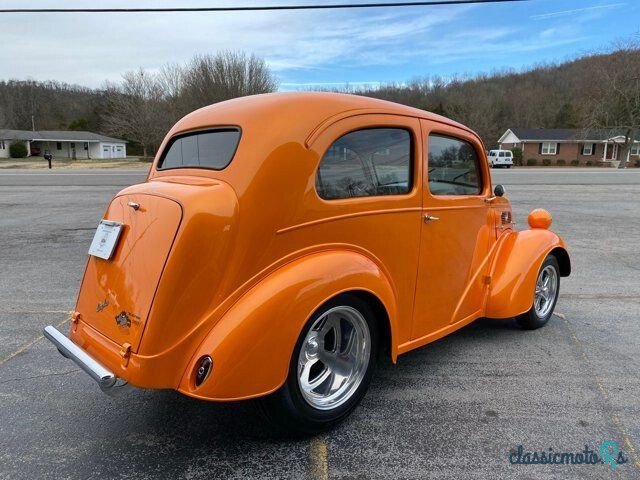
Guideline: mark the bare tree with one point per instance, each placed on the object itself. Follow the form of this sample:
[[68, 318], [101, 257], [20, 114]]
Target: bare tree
[[210, 79], [135, 109], [614, 90], [170, 80]]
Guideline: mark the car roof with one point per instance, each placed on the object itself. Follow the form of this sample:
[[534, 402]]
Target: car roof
[[309, 109]]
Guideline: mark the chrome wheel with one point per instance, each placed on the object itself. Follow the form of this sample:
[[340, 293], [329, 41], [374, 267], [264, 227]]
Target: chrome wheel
[[334, 357], [546, 289]]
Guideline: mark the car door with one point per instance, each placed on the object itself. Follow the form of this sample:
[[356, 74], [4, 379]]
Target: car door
[[368, 193], [456, 233]]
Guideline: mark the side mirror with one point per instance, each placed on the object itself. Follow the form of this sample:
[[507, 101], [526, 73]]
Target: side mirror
[[498, 190]]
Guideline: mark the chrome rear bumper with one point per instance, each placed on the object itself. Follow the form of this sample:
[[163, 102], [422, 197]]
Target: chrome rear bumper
[[106, 379]]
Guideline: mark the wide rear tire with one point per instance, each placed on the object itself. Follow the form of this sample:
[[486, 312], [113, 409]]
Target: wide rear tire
[[330, 370]]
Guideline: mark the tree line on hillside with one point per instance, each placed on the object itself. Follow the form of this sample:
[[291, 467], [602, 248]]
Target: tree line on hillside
[[25, 104], [594, 91]]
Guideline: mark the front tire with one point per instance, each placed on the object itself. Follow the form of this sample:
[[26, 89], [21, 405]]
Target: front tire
[[545, 297], [330, 370]]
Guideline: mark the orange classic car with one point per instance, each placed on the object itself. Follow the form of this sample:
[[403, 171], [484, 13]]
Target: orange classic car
[[282, 241]]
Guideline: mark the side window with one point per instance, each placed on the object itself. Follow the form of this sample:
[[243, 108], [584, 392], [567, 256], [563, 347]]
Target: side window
[[370, 162], [453, 167]]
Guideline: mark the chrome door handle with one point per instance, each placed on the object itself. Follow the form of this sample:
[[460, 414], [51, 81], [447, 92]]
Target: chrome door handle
[[429, 218], [489, 200]]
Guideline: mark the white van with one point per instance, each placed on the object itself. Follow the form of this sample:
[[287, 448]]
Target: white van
[[500, 158]]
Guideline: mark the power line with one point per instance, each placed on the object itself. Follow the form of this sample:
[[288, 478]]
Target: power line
[[254, 8]]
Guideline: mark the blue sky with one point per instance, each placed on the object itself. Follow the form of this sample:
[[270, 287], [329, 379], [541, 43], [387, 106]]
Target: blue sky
[[307, 49]]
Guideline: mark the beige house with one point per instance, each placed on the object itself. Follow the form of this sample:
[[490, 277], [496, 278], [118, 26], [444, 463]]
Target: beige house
[[64, 144], [571, 146]]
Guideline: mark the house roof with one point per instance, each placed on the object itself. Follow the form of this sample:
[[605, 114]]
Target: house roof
[[56, 136], [565, 134]]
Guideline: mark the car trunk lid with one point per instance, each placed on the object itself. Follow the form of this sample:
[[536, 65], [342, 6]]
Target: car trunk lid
[[116, 294]]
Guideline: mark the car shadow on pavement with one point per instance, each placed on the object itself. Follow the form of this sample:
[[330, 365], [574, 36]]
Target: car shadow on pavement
[[168, 432]]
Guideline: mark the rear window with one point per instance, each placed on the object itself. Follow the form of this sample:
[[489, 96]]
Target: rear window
[[210, 149]]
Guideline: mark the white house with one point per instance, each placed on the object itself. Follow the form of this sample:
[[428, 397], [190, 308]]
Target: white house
[[64, 144]]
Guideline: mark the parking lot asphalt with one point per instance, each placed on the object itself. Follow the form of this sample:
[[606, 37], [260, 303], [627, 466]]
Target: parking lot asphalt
[[453, 409]]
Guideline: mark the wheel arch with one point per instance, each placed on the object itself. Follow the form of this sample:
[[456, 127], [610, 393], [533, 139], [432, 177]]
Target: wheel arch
[[564, 262], [251, 345], [383, 322], [516, 267]]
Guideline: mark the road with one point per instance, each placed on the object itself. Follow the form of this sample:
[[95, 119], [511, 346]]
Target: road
[[515, 176], [453, 409], [59, 178]]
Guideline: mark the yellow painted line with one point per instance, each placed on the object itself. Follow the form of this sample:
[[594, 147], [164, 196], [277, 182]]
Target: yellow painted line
[[600, 386], [318, 459], [31, 343]]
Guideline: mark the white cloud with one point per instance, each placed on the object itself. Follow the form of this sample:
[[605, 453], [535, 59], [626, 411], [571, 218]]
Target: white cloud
[[91, 48], [300, 46]]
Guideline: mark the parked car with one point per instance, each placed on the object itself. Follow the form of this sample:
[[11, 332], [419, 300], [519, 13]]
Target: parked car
[[282, 241], [500, 158]]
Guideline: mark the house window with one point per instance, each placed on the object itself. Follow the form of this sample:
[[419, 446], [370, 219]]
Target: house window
[[86, 145], [58, 145], [587, 149], [635, 149], [549, 148], [2, 147]]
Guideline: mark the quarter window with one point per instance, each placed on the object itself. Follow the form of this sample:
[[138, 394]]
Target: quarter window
[[453, 167], [371, 162], [549, 148]]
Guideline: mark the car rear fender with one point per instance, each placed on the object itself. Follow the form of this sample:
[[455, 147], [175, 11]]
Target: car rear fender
[[251, 345], [515, 269]]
